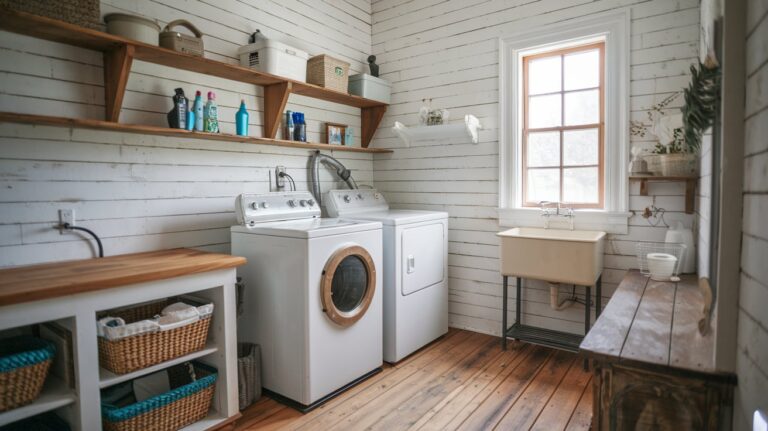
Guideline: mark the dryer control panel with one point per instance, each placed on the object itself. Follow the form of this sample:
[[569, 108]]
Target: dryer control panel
[[348, 202], [266, 207]]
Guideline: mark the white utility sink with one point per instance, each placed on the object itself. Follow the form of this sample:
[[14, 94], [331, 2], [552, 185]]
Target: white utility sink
[[557, 256]]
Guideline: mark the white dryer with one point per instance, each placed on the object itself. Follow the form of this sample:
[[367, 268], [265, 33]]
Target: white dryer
[[415, 268], [313, 297]]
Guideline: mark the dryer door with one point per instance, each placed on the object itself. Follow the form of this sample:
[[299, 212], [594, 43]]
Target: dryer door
[[347, 285], [423, 251]]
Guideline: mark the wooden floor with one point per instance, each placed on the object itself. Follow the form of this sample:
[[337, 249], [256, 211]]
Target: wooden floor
[[464, 381]]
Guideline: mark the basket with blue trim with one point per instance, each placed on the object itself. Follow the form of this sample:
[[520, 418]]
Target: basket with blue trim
[[187, 402], [24, 365]]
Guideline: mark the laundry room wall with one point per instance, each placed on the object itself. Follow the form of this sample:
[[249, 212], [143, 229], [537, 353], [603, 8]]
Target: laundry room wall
[[141, 192], [448, 51]]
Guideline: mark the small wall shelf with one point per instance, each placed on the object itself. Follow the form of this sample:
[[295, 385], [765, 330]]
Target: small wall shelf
[[45, 120], [690, 187], [120, 52], [463, 131]]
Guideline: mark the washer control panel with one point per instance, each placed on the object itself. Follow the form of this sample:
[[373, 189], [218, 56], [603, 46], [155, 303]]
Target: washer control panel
[[276, 206], [348, 202]]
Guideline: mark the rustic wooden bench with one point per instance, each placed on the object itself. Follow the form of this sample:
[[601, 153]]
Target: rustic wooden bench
[[652, 367]]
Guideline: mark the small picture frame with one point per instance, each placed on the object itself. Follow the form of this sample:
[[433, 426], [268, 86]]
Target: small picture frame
[[334, 133]]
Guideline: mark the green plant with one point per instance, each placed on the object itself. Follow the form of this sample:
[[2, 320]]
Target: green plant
[[674, 147], [702, 99]]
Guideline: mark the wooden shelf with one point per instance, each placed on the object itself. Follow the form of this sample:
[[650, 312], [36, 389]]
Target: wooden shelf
[[10, 117], [108, 378], [55, 395], [120, 52], [690, 187]]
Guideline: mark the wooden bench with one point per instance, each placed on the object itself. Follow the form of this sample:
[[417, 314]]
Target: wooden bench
[[652, 367]]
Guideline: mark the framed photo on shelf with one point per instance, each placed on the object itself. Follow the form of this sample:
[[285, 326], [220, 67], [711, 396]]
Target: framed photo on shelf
[[334, 133]]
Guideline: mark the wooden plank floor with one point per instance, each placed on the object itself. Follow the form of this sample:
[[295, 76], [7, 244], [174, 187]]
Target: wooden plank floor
[[463, 381]]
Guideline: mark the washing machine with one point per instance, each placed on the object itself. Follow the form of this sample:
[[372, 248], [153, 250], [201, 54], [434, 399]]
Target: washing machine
[[312, 298], [415, 268]]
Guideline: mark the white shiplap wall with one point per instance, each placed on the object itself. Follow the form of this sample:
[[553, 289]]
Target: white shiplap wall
[[448, 51], [146, 192], [752, 340]]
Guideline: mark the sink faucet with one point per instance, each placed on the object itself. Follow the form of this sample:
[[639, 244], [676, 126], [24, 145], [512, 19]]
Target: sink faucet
[[559, 211]]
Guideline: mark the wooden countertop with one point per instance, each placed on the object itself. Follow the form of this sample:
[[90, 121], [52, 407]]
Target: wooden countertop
[[653, 323], [51, 280]]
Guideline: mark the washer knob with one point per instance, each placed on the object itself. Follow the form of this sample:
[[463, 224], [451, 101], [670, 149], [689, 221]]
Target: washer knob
[[265, 205], [311, 202], [360, 196], [254, 205], [303, 202], [347, 199], [292, 203]]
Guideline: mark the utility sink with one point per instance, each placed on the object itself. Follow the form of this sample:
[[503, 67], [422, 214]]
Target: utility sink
[[557, 256]]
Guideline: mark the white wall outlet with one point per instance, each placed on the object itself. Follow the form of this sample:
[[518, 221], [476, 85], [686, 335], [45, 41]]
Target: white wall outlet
[[279, 180], [66, 216]]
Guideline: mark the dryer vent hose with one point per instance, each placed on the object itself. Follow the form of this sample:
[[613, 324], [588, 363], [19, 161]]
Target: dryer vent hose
[[314, 173]]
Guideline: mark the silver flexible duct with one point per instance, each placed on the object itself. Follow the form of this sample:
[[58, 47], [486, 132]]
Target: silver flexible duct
[[314, 173]]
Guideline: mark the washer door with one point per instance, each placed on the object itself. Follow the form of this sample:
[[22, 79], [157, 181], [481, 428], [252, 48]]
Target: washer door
[[348, 284]]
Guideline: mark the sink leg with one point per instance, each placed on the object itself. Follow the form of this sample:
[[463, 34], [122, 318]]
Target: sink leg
[[518, 302], [598, 296], [504, 317], [587, 304]]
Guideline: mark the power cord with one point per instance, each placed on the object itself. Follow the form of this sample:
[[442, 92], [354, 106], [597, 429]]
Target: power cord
[[290, 178], [68, 226]]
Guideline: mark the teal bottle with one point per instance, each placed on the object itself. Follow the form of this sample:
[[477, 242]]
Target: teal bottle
[[198, 108], [241, 120]]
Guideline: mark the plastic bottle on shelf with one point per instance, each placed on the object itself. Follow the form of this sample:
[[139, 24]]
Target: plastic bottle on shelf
[[300, 127], [241, 120], [211, 114], [198, 108], [289, 126]]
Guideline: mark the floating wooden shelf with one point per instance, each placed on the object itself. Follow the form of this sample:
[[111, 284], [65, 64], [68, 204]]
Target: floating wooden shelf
[[45, 120], [690, 187], [120, 52]]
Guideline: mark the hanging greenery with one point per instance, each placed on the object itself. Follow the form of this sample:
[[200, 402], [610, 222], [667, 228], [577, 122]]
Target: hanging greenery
[[702, 98]]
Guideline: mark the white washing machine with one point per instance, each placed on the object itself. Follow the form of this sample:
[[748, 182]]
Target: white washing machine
[[415, 268], [313, 297]]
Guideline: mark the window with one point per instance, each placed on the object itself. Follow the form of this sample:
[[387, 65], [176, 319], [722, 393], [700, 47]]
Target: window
[[564, 128], [563, 119]]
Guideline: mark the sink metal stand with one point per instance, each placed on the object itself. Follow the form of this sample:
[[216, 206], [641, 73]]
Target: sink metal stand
[[546, 337]]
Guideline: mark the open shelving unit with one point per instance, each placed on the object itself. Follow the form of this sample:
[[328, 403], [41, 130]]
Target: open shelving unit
[[119, 54], [690, 187], [55, 395]]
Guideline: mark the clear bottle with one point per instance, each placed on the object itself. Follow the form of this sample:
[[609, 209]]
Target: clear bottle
[[211, 114]]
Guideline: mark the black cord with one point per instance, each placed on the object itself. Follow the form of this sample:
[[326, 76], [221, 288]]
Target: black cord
[[290, 178], [88, 231]]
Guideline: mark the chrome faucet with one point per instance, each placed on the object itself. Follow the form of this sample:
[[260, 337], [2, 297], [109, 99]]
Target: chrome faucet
[[560, 211]]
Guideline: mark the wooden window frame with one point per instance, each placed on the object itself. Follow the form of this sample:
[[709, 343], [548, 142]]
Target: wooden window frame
[[600, 125]]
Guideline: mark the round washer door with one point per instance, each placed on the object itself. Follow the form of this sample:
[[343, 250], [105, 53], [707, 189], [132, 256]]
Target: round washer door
[[348, 284]]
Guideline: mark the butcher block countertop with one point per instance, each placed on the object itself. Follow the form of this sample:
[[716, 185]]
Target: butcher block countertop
[[52, 280]]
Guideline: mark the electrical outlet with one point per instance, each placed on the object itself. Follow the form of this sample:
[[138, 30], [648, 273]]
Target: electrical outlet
[[279, 180], [66, 216]]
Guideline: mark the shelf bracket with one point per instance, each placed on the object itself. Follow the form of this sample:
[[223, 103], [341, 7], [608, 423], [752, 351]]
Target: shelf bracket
[[371, 118], [275, 99], [690, 196], [117, 67]]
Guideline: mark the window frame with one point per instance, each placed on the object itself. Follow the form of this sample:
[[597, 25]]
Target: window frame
[[600, 125], [613, 28]]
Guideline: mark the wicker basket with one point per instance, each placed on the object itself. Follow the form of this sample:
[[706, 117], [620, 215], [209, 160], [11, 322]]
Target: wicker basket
[[24, 365], [328, 72], [186, 403], [85, 13], [140, 351], [679, 165]]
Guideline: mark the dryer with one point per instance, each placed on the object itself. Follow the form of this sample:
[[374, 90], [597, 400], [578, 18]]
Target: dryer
[[313, 297], [415, 268]]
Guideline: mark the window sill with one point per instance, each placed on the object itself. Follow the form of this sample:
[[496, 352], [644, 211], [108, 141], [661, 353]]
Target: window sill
[[616, 222]]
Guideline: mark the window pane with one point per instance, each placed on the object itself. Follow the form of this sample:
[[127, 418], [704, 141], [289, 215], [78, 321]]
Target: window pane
[[544, 111], [543, 185], [582, 70], [580, 185], [543, 149], [544, 75], [582, 107], [580, 147]]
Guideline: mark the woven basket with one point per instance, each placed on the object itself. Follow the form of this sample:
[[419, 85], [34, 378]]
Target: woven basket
[[140, 351], [24, 365], [85, 13], [186, 403], [679, 165], [328, 72]]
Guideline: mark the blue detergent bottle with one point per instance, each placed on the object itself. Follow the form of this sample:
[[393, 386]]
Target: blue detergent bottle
[[241, 120], [198, 109]]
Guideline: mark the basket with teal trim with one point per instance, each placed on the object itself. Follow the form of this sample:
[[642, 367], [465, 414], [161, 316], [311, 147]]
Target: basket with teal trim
[[187, 402], [24, 365]]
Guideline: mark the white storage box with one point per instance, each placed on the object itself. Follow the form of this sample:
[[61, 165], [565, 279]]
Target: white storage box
[[370, 87], [276, 58]]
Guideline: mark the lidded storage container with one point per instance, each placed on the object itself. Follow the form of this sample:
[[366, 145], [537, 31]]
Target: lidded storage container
[[328, 72], [370, 87], [273, 57]]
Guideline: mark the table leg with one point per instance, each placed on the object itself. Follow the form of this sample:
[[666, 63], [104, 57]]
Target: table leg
[[587, 304], [598, 296], [504, 316]]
